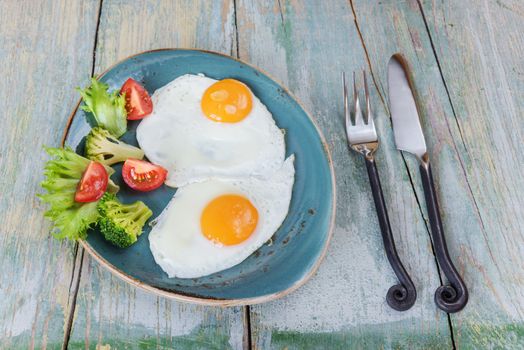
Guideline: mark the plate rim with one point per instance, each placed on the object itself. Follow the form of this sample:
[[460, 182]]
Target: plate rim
[[209, 301]]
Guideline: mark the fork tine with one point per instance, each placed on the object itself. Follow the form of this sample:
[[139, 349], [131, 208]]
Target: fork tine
[[356, 103], [358, 132], [369, 114], [346, 102]]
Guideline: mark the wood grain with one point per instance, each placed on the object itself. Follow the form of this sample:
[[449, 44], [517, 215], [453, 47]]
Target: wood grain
[[473, 137], [307, 45], [109, 311], [43, 50], [468, 71], [480, 48]]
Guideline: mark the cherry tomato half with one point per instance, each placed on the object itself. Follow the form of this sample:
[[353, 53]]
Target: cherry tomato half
[[93, 183], [138, 102], [143, 176]]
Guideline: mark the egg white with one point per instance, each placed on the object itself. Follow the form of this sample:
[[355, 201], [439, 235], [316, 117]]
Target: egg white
[[193, 148], [176, 240]]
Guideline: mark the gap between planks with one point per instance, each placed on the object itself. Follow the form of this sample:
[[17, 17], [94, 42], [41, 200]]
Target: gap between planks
[[461, 162], [247, 338], [75, 278], [247, 341], [402, 155]]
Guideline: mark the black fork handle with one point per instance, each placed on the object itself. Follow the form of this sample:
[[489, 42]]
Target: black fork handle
[[401, 296], [453, 297]]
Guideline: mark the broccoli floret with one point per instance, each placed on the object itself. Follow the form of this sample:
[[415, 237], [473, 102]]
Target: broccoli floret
[[62, 174], [121, 224], [107, 149], [108, 108]]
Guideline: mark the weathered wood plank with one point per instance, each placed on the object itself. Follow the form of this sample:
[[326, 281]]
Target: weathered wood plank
[[43, 50], [110, 312], [480, 50], [307, 45], [46, 50], [473, 143], [128, 28]]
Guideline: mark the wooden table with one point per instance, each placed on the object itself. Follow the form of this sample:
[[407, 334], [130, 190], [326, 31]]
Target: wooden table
[[468, 62]]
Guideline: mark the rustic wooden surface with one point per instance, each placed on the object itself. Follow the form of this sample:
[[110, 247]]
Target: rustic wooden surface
[[43, 58], [469, 73], [108, 311]]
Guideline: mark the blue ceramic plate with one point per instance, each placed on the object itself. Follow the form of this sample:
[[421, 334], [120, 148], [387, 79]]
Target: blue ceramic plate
[[297, 248]]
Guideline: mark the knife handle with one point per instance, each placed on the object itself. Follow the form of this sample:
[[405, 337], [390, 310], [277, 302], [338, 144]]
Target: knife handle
[[453, 297], [401, 296]]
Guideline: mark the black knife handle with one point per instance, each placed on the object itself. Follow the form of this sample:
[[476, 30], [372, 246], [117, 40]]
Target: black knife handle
[[453, 297], [401, 296]]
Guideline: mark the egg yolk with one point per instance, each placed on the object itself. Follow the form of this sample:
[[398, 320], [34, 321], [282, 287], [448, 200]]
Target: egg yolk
[[229, 219], [227, 101]]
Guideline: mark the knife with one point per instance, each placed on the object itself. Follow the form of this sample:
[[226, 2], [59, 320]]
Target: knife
[[410, 138]]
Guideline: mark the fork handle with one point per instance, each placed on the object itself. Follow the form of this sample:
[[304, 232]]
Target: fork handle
[[453, 297], [401, 296]]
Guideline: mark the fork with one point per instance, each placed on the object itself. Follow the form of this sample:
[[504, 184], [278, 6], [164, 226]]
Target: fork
[[362, 138]]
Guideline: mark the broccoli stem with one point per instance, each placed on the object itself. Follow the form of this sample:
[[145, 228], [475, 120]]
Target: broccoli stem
[[108, 150]]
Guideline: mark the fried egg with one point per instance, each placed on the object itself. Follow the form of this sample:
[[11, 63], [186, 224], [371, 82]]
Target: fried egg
[[201, 128], [216, 224]]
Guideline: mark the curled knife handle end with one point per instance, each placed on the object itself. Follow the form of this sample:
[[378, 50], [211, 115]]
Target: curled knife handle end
[[453, 297]]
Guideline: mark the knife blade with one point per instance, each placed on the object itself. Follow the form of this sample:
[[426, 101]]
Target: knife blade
[[410, 138], [406, 122]]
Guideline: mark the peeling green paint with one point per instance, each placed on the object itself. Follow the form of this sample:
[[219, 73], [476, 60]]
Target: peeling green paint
[[190, 342], [284, 36], [196, 340], [482, 336], [355, 340], [509, 336], [144, 338]]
